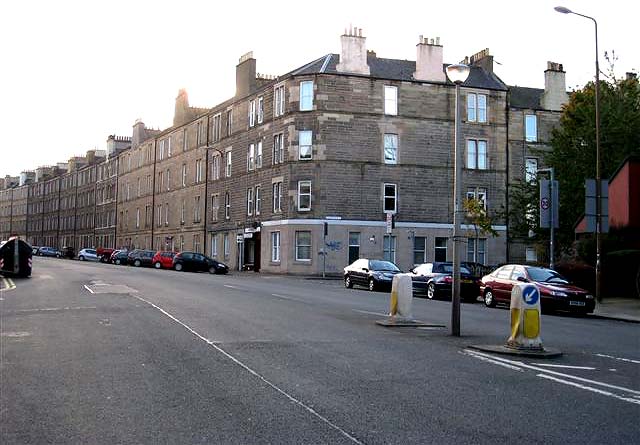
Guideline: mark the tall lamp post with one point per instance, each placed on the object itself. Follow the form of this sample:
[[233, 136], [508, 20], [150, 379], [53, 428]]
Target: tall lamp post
[[457, 74], [563, 10]]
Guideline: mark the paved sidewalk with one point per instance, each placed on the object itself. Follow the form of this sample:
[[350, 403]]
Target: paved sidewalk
[[627, 309]]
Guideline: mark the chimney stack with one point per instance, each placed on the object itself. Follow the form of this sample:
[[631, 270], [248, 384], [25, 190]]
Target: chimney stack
[[429, 65], [555, 89], [246, 75], [353, 58], [139, 133], [483, 59]]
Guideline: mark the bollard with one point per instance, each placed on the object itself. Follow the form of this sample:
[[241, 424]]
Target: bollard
[[401, 297], [525, 318]]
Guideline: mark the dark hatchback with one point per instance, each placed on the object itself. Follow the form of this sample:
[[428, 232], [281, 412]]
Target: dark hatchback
[[197, 262], [434, 280], [120, 257], [556, 293], [373, 274], [139, 257]]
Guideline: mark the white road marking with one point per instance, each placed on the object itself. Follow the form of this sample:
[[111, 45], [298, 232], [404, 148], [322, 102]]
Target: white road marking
[[569, 376], [285, 297], [8, 284], [495, 362], [230, 286], [589, 388], [254, 373], [628, 360], [590, 368], [370, 313], [88, 288], [53, 309]]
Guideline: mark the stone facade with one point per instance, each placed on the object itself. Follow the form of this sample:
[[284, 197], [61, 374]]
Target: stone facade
[[348, 156]]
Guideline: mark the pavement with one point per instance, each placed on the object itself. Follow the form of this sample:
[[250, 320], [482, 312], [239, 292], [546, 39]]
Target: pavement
[[625, 309]]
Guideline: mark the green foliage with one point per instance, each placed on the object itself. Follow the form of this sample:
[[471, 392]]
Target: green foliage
[[574, 143], [477, 215]]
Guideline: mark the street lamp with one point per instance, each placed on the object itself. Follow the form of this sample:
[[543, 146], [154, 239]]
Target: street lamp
[[563, 10], [457, 74]]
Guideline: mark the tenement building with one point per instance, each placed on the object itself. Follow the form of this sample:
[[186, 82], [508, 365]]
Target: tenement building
[[348, 156]]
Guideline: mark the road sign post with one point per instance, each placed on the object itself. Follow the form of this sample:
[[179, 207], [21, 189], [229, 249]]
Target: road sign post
[[549, 206]]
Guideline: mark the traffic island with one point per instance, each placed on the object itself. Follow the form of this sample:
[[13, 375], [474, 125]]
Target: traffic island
[[525, 338]]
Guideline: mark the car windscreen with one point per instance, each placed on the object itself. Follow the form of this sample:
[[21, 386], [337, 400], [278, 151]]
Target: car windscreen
[[383, 265], [448, 268], [545, 275]]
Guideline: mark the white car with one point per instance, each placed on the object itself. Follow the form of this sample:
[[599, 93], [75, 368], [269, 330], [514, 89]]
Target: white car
[[88, 255]]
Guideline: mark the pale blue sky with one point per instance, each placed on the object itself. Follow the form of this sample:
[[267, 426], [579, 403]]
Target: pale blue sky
[[74, 72]]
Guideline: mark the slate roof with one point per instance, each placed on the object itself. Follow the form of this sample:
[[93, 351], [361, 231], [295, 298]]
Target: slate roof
[[523, 97], [394, 69]]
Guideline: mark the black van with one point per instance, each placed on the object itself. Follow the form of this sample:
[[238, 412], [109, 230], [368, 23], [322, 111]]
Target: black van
[[15, 258]]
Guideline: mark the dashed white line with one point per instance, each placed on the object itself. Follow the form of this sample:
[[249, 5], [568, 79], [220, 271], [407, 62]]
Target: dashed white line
[[628, 360], [230, 286], [254, 373], [370, 313], [589, 388], [286, 297], [568, 376], [547, 365], [89, 289]]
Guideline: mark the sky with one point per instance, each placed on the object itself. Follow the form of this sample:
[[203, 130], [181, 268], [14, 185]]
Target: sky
[[74, 72]]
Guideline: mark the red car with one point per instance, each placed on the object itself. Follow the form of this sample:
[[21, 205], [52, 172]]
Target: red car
[[163, 259], [555, 291]]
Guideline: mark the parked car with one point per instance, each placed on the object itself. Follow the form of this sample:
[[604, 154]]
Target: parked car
[[88, 255], [163, 259], [555, 291], [140, 257], [104, 254], [195, 262], [68, 252], [435, 280], [49, 251], [373, 274], [120, 257]]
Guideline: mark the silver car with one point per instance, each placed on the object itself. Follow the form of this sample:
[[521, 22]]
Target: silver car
[[88, 255]]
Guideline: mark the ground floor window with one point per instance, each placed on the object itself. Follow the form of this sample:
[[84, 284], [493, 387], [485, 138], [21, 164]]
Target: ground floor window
[[440, 249], [225, 242], [419, 249], [354, 246], [275, 247], [214, 246], [303, 245], [531, 255], [476, 248], [389, 248]]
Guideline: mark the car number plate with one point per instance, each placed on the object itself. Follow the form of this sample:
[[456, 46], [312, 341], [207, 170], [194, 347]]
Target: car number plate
[[576, 303], [467, 281]]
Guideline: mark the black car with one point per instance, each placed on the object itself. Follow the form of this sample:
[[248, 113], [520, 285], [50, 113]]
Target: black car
[[141, 257], [373, 274], [68, 252], [434, 280], [197, 262], [121, 258]]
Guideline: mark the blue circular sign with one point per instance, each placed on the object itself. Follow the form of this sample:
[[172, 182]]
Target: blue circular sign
[[530, 295]]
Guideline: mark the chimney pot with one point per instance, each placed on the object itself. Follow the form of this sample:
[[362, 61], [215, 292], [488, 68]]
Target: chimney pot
[[437, 40]]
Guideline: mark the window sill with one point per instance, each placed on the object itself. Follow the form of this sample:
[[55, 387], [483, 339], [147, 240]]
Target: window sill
[[303, 262]]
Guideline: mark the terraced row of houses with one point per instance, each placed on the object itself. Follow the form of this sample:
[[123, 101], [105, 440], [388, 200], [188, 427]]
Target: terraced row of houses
[[348, 156]]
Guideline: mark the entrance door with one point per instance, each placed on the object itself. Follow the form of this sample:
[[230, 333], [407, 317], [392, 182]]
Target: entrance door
[[252, 252]]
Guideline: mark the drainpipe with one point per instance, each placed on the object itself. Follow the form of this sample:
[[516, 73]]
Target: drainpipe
[[153, 194], [206, 188], [75, 213], [506, 186], [58, 226], [115, 219]]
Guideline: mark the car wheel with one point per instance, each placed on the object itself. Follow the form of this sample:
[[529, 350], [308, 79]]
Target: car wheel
[[178, 267], [347, 282], [118, 261], [372, 285], [489, 301], [136, 263], [431, 291], [81, 258], [212, 269], [157, 265]]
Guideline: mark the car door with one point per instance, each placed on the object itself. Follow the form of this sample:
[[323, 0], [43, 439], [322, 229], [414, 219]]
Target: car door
[[502, 284], [358, 275], [199, 262]]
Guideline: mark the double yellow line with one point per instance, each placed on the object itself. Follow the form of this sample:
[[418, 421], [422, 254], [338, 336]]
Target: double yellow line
[[8, 284]]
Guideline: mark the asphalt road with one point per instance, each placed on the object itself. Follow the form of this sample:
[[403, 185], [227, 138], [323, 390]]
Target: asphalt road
[[100, 354]]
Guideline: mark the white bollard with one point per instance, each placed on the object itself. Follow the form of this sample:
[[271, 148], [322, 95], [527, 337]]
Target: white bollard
[[401, 297], [525, 317]]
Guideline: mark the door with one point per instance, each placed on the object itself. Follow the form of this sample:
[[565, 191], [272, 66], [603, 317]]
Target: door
[[502, 284], [354, 246]]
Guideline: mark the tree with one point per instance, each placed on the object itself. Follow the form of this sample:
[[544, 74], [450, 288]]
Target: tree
[[574, 148], [477, 215]]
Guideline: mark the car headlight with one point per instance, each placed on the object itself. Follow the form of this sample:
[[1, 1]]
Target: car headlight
[[589, 297], [557, 293]]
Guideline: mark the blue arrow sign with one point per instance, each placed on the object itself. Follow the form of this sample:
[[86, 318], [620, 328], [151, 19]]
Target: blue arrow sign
[[530, 295]]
